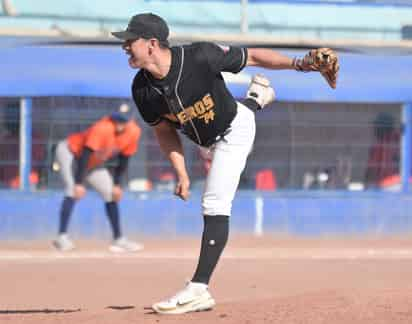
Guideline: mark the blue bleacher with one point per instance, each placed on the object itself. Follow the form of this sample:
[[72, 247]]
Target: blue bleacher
[[379, 19]]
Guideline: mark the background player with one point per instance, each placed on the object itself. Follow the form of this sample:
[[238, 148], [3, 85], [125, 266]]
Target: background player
[[114, 136], [182, 87]]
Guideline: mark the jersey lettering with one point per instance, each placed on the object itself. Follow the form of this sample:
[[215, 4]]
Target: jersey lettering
[[201, 109], [210, 115]]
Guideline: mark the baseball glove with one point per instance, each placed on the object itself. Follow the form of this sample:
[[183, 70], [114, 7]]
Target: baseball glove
[[323, 60]]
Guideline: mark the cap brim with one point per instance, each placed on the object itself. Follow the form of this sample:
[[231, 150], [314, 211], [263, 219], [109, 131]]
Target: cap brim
[[120, 118], [125, 35]]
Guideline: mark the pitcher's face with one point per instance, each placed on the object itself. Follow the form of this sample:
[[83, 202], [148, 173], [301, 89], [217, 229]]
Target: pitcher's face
[[138, 51]]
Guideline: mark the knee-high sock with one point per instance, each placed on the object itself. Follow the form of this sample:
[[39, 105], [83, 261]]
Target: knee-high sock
[[112, 211], [252, 104], [65, 213], [214, 238]]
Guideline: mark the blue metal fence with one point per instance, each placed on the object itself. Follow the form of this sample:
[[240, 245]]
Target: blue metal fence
[[317, 214]]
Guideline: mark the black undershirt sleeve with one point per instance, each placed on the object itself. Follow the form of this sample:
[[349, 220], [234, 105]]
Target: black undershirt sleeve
[[123, 162]]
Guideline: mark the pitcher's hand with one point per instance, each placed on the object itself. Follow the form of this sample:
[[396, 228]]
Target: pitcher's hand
[[79, 191], [182, 188], [117, 193]]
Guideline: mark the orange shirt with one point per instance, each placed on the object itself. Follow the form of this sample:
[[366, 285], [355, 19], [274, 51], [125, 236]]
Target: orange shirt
[[101, 137]]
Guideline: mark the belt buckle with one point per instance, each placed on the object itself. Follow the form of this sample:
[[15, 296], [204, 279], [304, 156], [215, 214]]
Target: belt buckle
[[218, 138], [221, 137]]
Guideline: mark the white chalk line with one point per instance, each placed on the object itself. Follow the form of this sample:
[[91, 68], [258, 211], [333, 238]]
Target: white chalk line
[[246, 254]]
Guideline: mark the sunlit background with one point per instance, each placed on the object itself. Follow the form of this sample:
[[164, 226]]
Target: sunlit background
[[324, 160]]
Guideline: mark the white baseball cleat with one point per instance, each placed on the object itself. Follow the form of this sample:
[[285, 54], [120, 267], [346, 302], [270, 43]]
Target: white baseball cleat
[[63, 243], [195, 297], [122, 244], [261, 91]]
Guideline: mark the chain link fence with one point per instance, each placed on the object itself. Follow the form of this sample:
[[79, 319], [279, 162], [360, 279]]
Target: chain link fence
[[298, 145]]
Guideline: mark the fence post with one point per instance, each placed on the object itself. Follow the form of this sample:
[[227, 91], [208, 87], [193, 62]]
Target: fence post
[[244, 25], [259, 205], [406, 145], [25, 142]]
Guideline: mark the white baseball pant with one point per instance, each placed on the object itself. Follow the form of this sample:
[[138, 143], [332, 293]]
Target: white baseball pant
[[228, 162]]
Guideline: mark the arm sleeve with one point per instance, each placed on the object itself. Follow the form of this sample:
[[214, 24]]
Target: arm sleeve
[[120, 169], [82, 165], [224, 58]]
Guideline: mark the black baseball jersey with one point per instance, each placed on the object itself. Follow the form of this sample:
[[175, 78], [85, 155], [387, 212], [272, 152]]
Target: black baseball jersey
[[193, 94]]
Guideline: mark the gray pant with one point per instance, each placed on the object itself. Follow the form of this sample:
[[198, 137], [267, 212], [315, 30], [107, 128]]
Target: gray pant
[[99, 179]]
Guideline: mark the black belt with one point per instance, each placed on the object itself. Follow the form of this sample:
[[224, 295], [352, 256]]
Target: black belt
[[218, 138]]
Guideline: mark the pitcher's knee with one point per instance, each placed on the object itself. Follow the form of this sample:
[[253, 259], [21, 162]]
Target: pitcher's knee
[[214, 207]]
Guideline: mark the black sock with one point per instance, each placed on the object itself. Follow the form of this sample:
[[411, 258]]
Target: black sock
[[65, 213], [215, 235], [112, 211], [252, 104]]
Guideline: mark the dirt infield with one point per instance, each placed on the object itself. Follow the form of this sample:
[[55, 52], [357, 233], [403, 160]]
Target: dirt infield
[[270, 280]]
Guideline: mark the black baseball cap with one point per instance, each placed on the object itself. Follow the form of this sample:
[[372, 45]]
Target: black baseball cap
[[146, 25]]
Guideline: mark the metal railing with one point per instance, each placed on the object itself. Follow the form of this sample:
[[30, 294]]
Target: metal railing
[[297, 146]]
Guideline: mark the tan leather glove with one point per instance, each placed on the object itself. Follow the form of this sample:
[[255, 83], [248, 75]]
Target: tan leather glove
[[323, 60]]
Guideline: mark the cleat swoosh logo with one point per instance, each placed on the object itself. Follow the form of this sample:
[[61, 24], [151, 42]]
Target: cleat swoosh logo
[[184, 303]]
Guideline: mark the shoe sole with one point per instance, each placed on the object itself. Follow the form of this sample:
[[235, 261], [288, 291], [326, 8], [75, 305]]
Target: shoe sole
[[61, 248], [261, 80], [117, 249], [194, 306], [267, 91]]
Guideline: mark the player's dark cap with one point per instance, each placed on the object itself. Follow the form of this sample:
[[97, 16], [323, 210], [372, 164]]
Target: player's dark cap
[[123, 114], [146, 25]]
